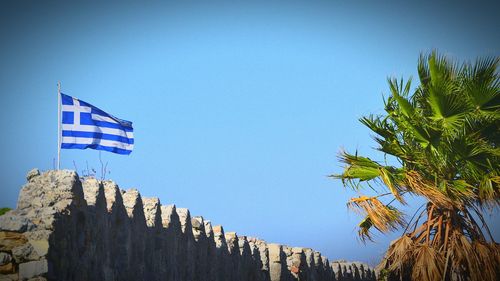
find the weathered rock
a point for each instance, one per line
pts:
(187, 255)
(261, 272)
(201, 248)
(172, 234)
(38, 234)
(152, 211)
(32, 174)
(10, 240)
(208, 228)
(211, 258)
(41, 247)
(277, 263)
(133, 203)
(264, 258)
(138, 228)
(232, 242)
(24, 253)
(169, 217)
(345, 270)
(185, 219)
(113, 196)
(5, 258)
(13, 221)
(9, 277)
(92, 189)
(299, 267)
(224, 267)
(32, 269)
(7, 268)
(154, 258)
(38, 279)
(55, 190)
(198, 224)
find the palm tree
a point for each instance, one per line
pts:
(445, 136)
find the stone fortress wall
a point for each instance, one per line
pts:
(67, 228)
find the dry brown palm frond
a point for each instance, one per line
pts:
(417, 184)
(457, 255)
(487, 259)
(465, 261)
(428, 264)
(472, 263)
(399, 255)
(495, 249)
(382, 217)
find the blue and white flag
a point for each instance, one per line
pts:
(86, 126)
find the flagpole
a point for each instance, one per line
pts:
(58, 125)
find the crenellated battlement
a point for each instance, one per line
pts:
(67, 228)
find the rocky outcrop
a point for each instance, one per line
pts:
(68, 228)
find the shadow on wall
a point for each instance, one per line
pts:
(67, 228)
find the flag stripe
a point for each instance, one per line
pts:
(76, 140)
(90, 121)
(97, 135)
(89, 128)
(98, 117)
(96, 146)
(125, 123)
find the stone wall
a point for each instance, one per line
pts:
(67, 228)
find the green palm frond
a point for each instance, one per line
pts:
(378, 125)
(445, 134)
(399, 94)
(446, 130)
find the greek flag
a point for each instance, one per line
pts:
(86, 126)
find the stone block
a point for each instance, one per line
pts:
(39, 278)
(113, 196)
(197, 222)
(24, 253)
(91, 189)
(41, 246)
(7, 268)
(9, 277)
(32, 174)
(275, 251)
(16, 223)
(169, 216)
(185, 219)
(133, 202)
(32, 269)
(10, 240)
(218, 229)
(208, 229)
(5, 258)
(152, 211)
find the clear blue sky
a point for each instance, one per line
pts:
(239, 108)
